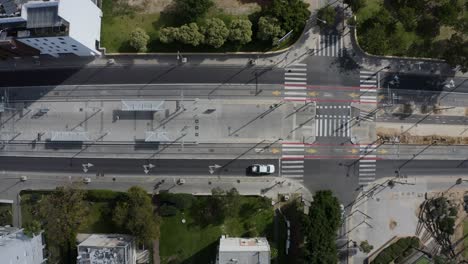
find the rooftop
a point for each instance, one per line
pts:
(243, 244)
(104, 240)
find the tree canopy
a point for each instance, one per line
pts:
(269, 29)
(139, 40)
(190, 34)
(168, 34)
(135, 215)
(240, 30)
(326, 17)
(215, 32)
(63, 211)
(321, 226)
(456, 53)
(291, 14)
(190, 10)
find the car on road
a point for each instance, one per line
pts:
(87, 180)
(23, 178)
(180, 181)
(263, 169)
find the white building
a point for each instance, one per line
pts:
(235, 250)
(17, 248)
(54, 26)
(106, 249)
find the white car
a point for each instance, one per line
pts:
(87, 180)
(263, 169)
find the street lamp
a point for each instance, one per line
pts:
(321, 20)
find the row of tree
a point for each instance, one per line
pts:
(64, 211)
(320, 229)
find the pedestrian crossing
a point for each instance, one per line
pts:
(330, 46)
(368, 87)
(333, 126)
(292, 160)
(367, 164)
(295, 82)
(333, 121)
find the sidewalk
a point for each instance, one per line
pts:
(380, 213)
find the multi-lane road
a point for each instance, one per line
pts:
(330, 163)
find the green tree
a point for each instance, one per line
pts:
(326, 17)
(448, 11)
(355, 4)
(428, 27)
(215, 32)
(168, 34)
(408, 17)
(240, 30)
(366, 247)
(190, 10)
(63, 211)
(32, 228)
(291, 14)
(190, 34)
(135, 215)
(456, 53)
(269, 29)
(321, 226)
(374, 40)
(139, 39)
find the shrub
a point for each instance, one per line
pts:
(240, 30)
(138, 40)
(102, 195)
(269, 29)
(215, 32)
(167, 210)
(181, 201)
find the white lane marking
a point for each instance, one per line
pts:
(325, 127)
(296, 69)
(294, 176)
(368, 160)
(295, 73)
(292, 166)
(366, 165)
(293, 156)
(292, 161)
(295, 98)
(367, 174)
(299, 145)
(299, 64)
(295, 79)
(292, 171)
(367, 72)
(296, 93)
(368, 90)
(295, 88)
(321, 127)
(368, 97)
(363, 170)
(295, 83)
(292, 149)
(369, 85)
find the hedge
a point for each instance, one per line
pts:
(180, 200)
(103, 195)
(397, 251)
(167, 210)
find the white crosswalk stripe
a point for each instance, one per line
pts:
(329, 45)
(292, 160)
(295, 82)
(333, 126)
(368, 83)
(367, 164)
(366, 116)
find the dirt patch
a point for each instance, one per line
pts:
(233, 7)
(392, 224)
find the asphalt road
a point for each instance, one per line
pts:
(430, 119)
(110, 167)
(435, 83)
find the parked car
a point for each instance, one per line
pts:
(87, 180)
(263, 168)
(23, 178)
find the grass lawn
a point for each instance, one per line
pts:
(119, 20)
(465, 242)
(192, 243)
(422, 260)
(6, 217)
